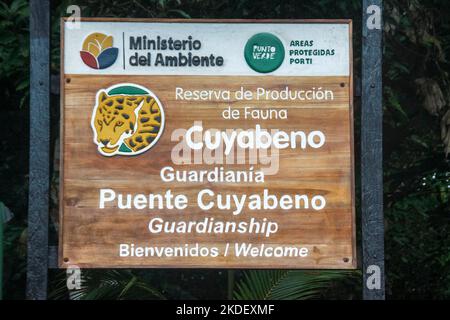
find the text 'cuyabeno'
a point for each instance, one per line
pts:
(197, 138)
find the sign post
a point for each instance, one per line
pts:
(37, 251)
(371, 153)
(102, 161)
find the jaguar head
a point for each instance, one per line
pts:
(114, 119)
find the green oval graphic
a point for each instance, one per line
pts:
(264, 52)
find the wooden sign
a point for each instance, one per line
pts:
(207, 144)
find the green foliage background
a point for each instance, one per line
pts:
(416, 141)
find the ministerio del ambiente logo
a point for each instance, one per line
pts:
(98, 52)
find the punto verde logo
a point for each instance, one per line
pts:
(264, 52)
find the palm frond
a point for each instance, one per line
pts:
(285, 284)
(107, 285)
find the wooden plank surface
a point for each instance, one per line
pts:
(90, 236)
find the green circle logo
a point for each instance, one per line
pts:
(264, 52)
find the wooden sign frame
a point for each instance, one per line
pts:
(39, 151)
(320, 260)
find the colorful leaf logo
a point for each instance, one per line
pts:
(98, 51)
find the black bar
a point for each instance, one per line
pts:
(371, 156)
(38, 198)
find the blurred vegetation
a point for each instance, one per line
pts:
(416, 145)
